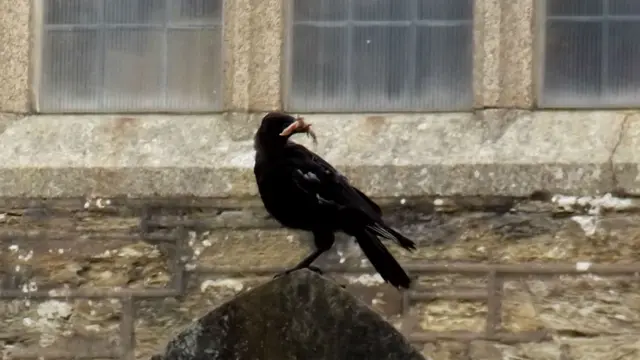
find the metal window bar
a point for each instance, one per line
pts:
(413, 55)
(356, 23)
(129, 26)
(102, 38)
(593, 18)
(165, 49)
(604, 71)
(350, 45)
(322, 50)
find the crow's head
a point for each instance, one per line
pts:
(278, 127)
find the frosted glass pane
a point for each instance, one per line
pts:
(193, 80)
(444, 72)
(70, 73)
(382, 9)
(573, 63)
(315, 10)
(198, 11)
(624, 7)
(445, 10)
(592, 60)
(387, 58)
(320, 75)
(574, 7)
(131, 55)
(623, 54)
(72, 11)
(380, 67)
(133, 66)
(134, 11)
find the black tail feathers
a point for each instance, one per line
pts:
(355, 219)
(367, 231)
(391, 234)
(382, 260)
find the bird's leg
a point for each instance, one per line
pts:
(305, 263)
(323, 242)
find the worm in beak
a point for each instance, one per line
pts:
(299, 126)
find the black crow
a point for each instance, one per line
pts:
(303, 191)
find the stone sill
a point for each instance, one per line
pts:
(491, 152)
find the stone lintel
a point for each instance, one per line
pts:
(492, 152)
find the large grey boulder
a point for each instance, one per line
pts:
(299, 316)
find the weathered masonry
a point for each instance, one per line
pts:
(503, 135)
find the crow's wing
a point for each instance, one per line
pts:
(322, 184)
(354, 191)
(315, 175)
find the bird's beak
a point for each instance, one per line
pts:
(299, 126)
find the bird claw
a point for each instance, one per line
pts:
(280, 274)
(287, 272)
(316, 270)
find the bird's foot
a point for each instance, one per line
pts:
(287, 272)
(316, 270)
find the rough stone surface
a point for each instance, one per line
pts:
(15, 37)
(237, 54)
(300, 316)
(267, 31)
(486, 56)
(96, 246)
(517, 43)
(626, 157)
(493, 152)
(7, 119)
(253, 37)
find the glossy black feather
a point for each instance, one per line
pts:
(303, 191)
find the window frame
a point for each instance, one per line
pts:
(286, 78)
(540, 40)
(39, 31)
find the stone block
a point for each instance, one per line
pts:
(584, 306)
(81, 327)
(15, 60)
(504, 54)
(40, 250)
(237, 54)
(266, 70)
(626, 157)
(445, 350)
(300, 316)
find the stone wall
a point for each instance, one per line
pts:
(103, 278)
(107, 278)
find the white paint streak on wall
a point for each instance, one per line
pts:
(588, 223)
(366, 279)
(233, 284)
(51, 314)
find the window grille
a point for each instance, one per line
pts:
(591, 52)
(379, 55)
(130, 56)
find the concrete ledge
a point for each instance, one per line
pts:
(494, 152)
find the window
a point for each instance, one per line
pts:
(379, 55)
(591, 53)
(130, 56)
